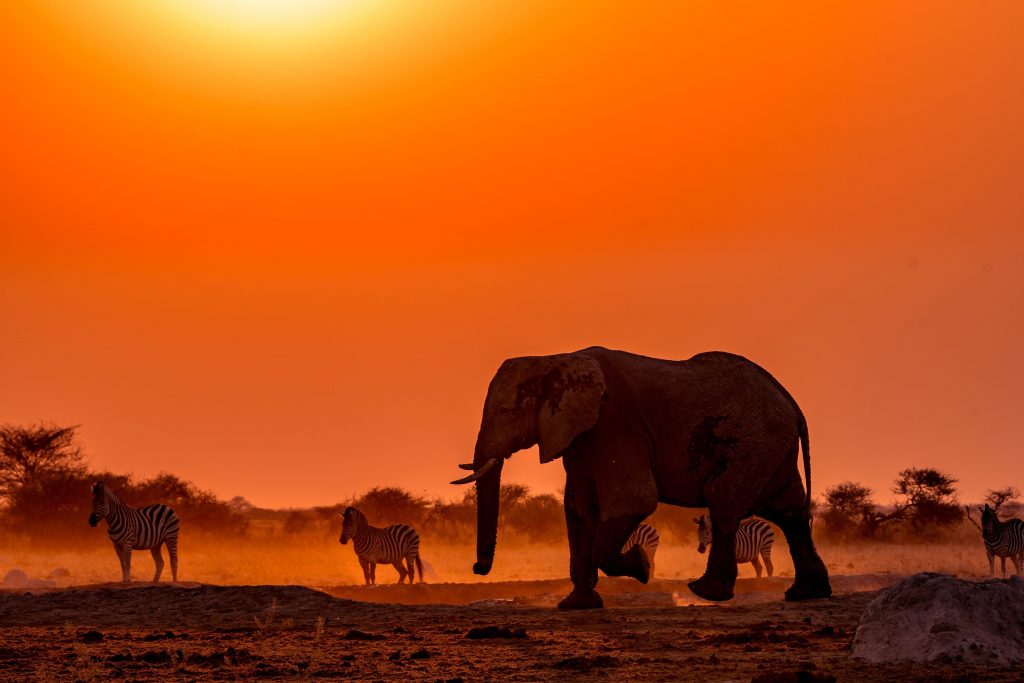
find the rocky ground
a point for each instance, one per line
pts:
(469, 632)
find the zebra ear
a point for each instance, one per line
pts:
(696, 520)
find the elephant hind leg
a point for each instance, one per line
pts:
(788, 511)
(719, 579)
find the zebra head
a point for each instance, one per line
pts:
(99, 503)
(703, 532)
(351, 521)
(988, 519)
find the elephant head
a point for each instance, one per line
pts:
(545, 400)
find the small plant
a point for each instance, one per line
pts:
(316, 655)
(86, 668)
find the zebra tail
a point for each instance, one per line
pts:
(419, 567)
(805, 443)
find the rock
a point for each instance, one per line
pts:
(90, 637)
(59, 573)
(361, 635)
(480, 632)
(587, 663)
(930, 616)
(793, 677)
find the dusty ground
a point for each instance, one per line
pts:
(658, 632)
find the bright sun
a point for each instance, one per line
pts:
(273, 14)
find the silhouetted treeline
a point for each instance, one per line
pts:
(45, 497)
(45, 490)
(926, 509)
(532, 517)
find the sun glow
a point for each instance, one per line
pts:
(274, 15)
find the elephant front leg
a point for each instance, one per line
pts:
(582, 570)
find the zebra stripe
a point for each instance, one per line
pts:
(136, 529)
(1002, 540)
(753, 538)
(647, 537)
(388, 545)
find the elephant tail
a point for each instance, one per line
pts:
(805, 446)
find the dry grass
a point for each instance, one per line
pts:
(318, 561)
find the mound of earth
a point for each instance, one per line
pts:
(929, 617)
(617, 592)
(17, 578)
(169, 606)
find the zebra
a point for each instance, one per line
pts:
(753, 538)
(1002, 539)
(375, 545)
(647, 537)
(136, 529)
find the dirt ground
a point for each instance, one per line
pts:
(661, 631)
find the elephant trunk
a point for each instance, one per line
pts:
(487, 490)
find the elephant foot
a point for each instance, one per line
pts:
(711, 589)
(581, 599)
(809, 589)
(633, 563)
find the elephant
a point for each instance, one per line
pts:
(715, 431)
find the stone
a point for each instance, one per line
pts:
(936, 617)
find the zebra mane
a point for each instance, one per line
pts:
(101, 489)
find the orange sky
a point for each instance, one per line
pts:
(282, 258)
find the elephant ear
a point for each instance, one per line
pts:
(570, 402)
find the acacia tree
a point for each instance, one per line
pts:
(384, 505)
(847, 505)
(1004, 498)
(29, 453)
(929, 497)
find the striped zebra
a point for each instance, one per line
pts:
(388, 545)
(136, 529)
(753, 538)
(647, 537)
(1002, 539)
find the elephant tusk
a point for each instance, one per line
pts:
(479, 473)
(467, 466)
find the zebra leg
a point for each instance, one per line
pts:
(366, 571)
(412, 571)
(373, 573)
(127, 564)
(582, 570)
(1002, 564)
(120, 560)
(401, 571)
(757, 566)
(767, 557)
(158, 560)
(172, 551)
(991, 561)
